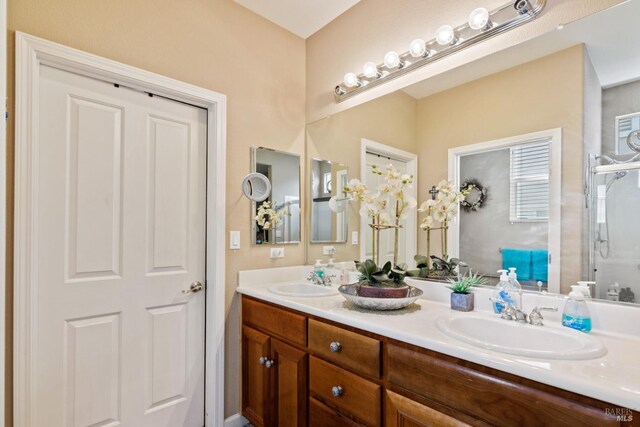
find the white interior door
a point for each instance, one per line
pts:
(386, 236)
(121, 225)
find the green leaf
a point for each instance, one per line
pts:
(421, 261)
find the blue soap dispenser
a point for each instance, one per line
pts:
(576, 313)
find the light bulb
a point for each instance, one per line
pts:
(392, 60)
(418, 48)
(479, 19)
(445, 35)
(370, 70)
(351, 80)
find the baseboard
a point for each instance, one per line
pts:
(236, 420)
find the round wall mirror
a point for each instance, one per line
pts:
(256, 187)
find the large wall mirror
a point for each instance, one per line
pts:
(276, 220)
(329, 203)
(547, 136)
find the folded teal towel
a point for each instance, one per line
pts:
(520, 259)
(540, 262)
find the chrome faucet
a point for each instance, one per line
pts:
(320, 280)
(509, 311)
(535, 318)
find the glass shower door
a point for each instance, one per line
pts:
(616, 235)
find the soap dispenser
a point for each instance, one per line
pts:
(502, 292)
(515, 285)
(576, 313)
(318, 268)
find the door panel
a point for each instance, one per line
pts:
(255, 379)
(404, 412)
(290, 386)
(120, 211)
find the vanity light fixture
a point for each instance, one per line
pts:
(446, 36)
(481, 25)
(392, 60)
(370, 70)
(418, 49)
(479, 19)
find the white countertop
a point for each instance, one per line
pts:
(613, 378)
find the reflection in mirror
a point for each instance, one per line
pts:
(505, 217)
(276, 220)
(574, 211)
(329, 203)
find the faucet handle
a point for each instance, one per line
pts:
(535, 318)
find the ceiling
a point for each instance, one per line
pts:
(612, 38)
(301, 17)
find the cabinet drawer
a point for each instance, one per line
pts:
(320, 415)
(359, 398)
(478, 393)
(356, 352)
(275, 321)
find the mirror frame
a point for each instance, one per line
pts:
(254, 228)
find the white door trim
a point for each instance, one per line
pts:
(555, 192)
(31, 53)
(368, 146)
(3, 191)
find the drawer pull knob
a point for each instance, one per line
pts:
(335, 346)
(269, 363)
(337, 391)
(262, 360)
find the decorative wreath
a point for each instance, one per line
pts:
(473, 187)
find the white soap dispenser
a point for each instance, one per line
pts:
(515, 285)
(576, 313)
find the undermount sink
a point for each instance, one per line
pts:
(521, 338)
(303, 290)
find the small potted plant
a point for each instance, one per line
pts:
(462, 297)
(385, 282)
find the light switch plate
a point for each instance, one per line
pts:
(234, 240)
(277, 252)
(354, 237)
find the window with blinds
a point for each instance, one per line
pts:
(529, 198)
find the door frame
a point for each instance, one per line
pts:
(33, 52)
(555, 192)
(411, 159)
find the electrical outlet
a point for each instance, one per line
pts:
(354, 237)
(234, 240)
(277, 252)
(328, 250)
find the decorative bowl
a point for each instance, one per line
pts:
(381, 292)
(350, 293)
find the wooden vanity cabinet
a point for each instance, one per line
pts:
(384, 382)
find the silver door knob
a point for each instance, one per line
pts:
(195, 287)
(269, 363)
(262, 360)
(337, 391)
(335, 347)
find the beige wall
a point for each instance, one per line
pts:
(543, 94)
(372, 27)
(215, 44)
(389, 120)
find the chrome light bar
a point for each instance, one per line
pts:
(482, 25)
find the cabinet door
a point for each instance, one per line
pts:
(290, 385)
(255, 377)
(402, 411)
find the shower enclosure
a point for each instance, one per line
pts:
(614, 228)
